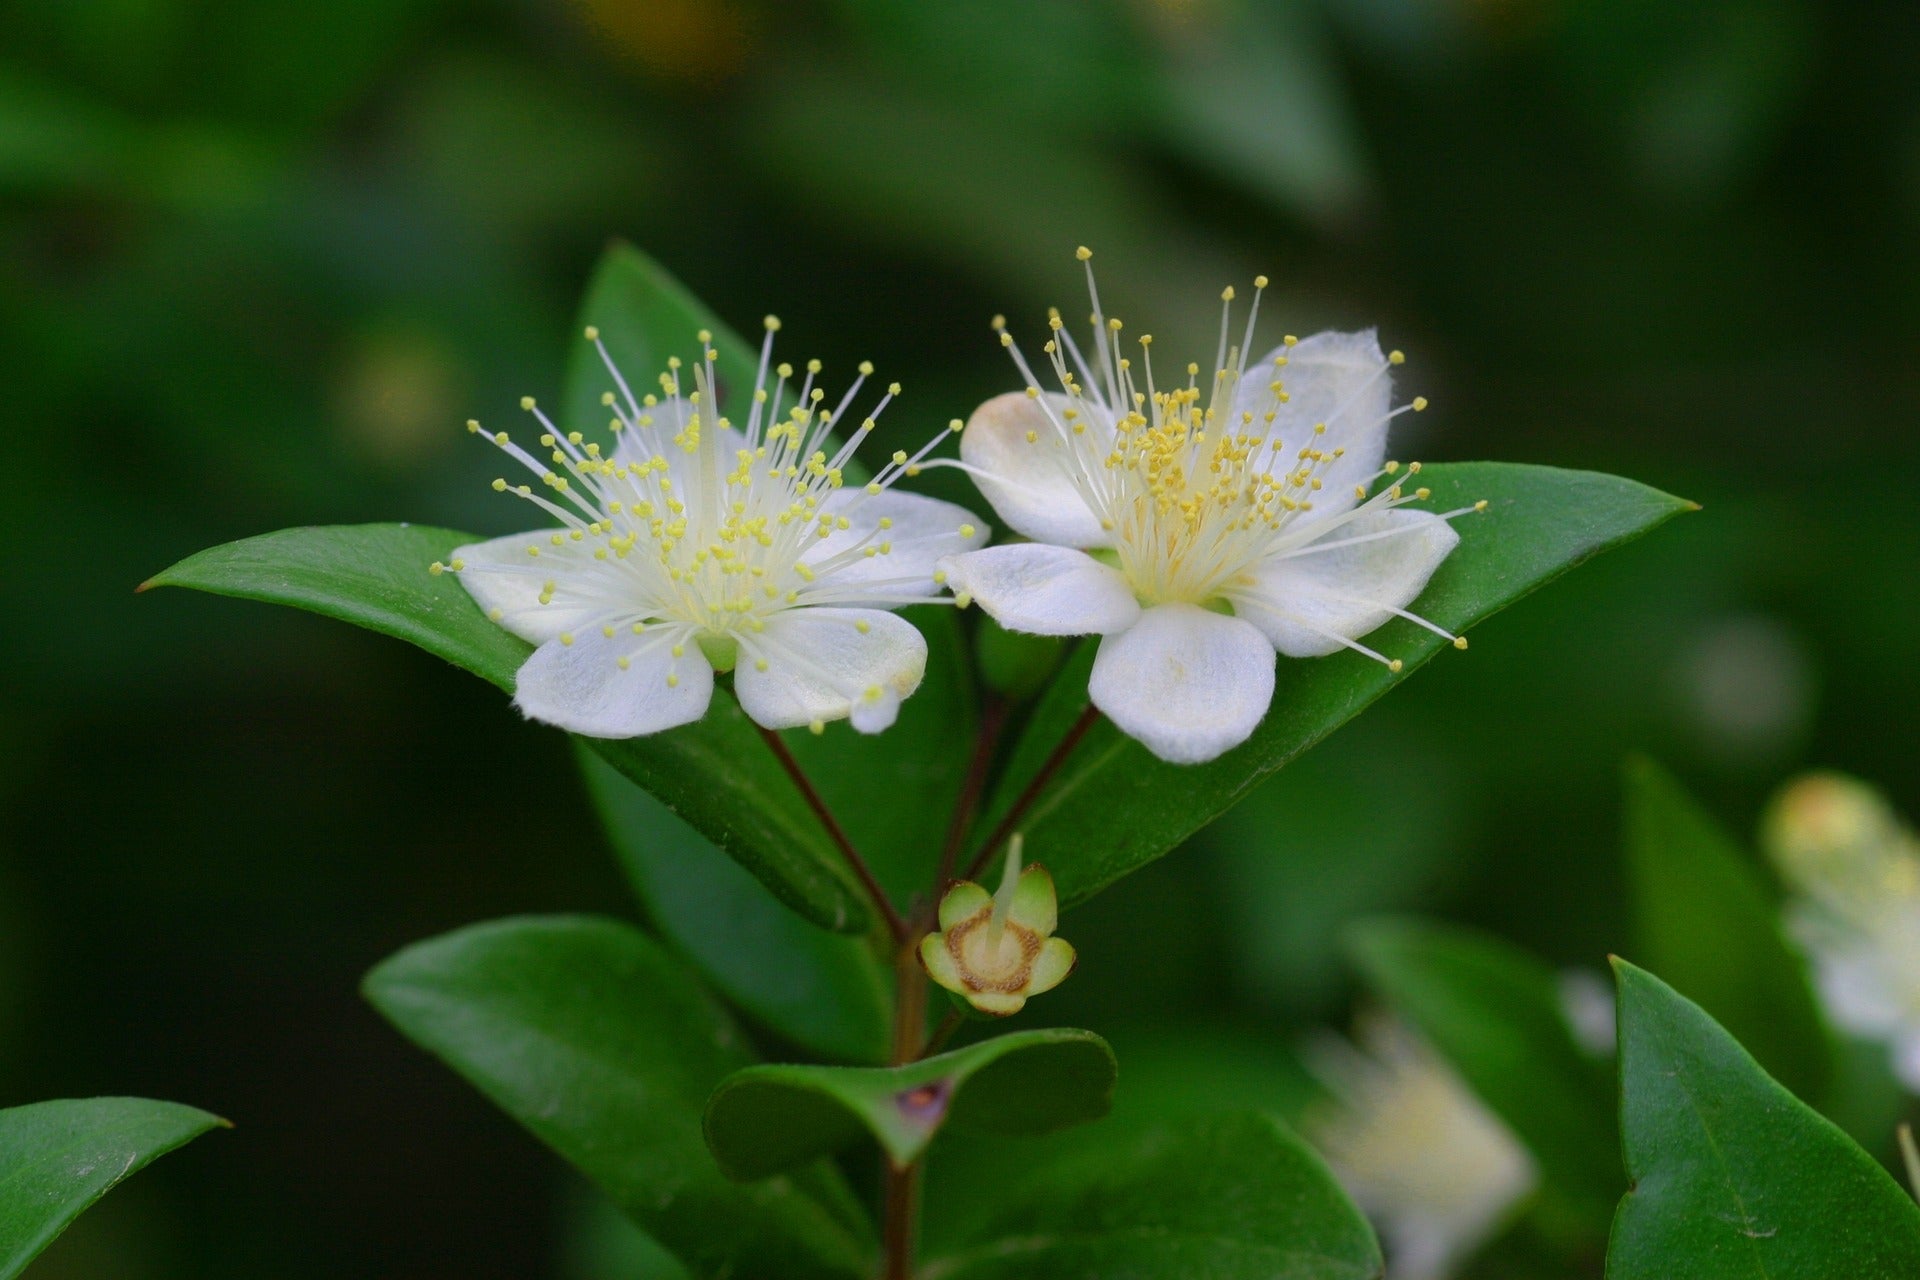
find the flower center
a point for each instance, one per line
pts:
(987, 963)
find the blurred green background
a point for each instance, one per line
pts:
(258, 262)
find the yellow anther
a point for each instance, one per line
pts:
(1290, 341)
(1396, 357)
(1033, 437)
(893, 388)
(566, 637)
(673, 680)
(772, 324)
(1395, 666)
(499, 437)
(593, 333)
(500, 485)
(899, 456)
(1083, 253)
(967, 531)
(862, 626)
(1480, 505)
(1459, 642)
(623, 662)
(1259, 282)
(473, 426)
(1226, 294)
(526, 402)
(866, 368)
(436, 568)
(1419, 404)
(816, 727)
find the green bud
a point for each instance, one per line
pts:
(995, 951)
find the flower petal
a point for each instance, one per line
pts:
(1044, 590)
(581, 687)
(1339, 379)
(1031, 483)
(500, 575)
(1186, 682)
(1346, 583)
(920, 531)
(940, 964)
(1051, 966)
(963, 902)
(829, 664)
(1035, 906)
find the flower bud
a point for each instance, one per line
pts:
(996, 950)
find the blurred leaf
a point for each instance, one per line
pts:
(1702, 919)
(1233, 1197)
(605, 1049)
(762, 1120)
(1112, 807)
(57, 1158)
(823, 991)
(1732, 1176)
(716, 773)
(1259, 97)
(1494, 1012)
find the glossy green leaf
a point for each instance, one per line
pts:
(1733, 1177)
(605, 1048)
(1704, 922)
(644, 316)
(825, 992)
(1494, 1012)
(716, 774)
(57, 1158)
(1229, 1197)
(764, 1119)
(1113, 807)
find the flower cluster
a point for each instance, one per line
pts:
(1435, 1170)
(1197, 528)
(1854, 873)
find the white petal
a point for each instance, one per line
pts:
(1339, 379)
(1186, 682)
(582, 688)
(1044, 590)
(922, 530)
(1346, 590)
(1906, 1060)
(1031, 483)
(820, 665)
(499, 574)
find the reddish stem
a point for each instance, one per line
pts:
(896, 923)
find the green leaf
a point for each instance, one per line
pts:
(1113, 807)
(823, 991)
(57, 1158)
(1494, 1012)
(605, 1049)
(1733, 1177)
(762, 1120)
(716, 774)
(1703, 920)
(1231, 1197)
(644, 316)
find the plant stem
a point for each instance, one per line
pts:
(896, 923)
(1044, 775)
(984, 741)
(900, 1208)
(943, 1033)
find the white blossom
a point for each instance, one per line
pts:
(692, 546)
(1199, 527)
(1423, 1157)
(1853, 871)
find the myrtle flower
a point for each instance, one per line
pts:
(1422, 1156)
(995, 951)
(1198, 527)
(1853, 872)
(693, 546)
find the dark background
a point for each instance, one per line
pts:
(259, 261)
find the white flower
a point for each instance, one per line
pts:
(1854, 872)
(694, 547)
(1419, 1153)
(1200, 527)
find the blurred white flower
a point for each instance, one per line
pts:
(696, 547)
(1199, 527)
(1853, 869)
(1436, 1171)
